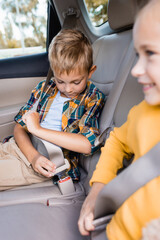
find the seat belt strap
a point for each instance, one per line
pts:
(50, 151)
(111, 103)
(48, 78)
(127, 182)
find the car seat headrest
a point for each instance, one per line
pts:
(121, 13)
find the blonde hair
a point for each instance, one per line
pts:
(70, 50)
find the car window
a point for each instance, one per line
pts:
(97, 11)
(22, 27)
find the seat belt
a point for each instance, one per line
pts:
(127, 182)
(111, 103)
(48, 149)
(48, 78)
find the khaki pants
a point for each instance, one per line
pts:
(15, 170)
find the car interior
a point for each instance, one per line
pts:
(40, 211)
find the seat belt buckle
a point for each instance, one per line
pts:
(66, 185)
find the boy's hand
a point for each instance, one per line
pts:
(31, 119)
(85, 222)
(43, 166)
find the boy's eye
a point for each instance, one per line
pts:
(59, 82)
(149, 52)
(77, 82)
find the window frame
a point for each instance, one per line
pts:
(95, 30)
(18, 67)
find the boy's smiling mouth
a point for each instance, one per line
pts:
(147, 87)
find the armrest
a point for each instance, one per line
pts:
(8, 113)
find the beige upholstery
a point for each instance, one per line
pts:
(121, 14)
(40, 222)
(11, 102)
(109, 52)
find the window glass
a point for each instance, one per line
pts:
(22, 27)
(97, 10)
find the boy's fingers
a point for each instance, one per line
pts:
(82, 227)
(49, 166)
(89, 222)
(44, 166)
(24, 119)
(85, 224)
(27, 114)
(44, 172)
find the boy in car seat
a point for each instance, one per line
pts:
(136, 136)
(67, 115)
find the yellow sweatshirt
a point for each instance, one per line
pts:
(137, 136)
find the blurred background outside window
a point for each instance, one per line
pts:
(97, 11)
(23, 25)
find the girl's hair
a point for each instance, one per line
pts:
(70, 50)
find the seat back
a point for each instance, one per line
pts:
(109, 52)
(109, 55)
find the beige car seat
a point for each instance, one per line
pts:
(25, 209)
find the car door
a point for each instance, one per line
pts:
(24, 62)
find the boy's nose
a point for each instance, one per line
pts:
(138, 70)
(68, 88)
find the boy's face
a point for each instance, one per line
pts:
(72, 84)
(146, 35)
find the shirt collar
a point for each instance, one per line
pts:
(52, 90)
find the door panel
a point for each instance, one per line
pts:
(19, 75)
(14, 92)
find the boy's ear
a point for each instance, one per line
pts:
(92, 70)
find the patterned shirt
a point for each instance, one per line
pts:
(80, 115)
